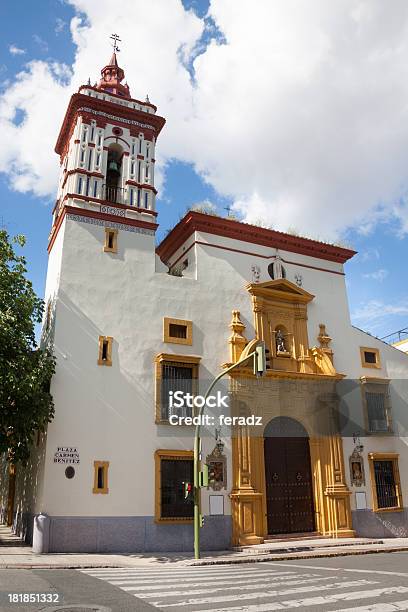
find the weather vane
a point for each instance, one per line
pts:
(115, 39)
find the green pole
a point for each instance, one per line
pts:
(197, 456)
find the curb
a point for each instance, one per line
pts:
(289, 557)
(232, 561)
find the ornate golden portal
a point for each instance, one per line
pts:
(301, 384)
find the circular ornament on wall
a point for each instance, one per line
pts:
(117, 131)
(70, 472)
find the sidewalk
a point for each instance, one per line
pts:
(14, 554)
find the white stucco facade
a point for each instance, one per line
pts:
(108, 414)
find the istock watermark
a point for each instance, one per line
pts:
(179, 399)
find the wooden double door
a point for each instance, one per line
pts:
(289, 490)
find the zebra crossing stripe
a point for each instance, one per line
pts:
(337, 569)
(381, 607)
(316, 601)
(201, 591)
(188, 575)
(261, 595)
(248, 581)
(141, 581)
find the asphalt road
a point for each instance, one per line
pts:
(364, 583)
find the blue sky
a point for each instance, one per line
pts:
(376, 277)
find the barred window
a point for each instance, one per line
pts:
(385, 481)
(173, 470)
(174, 373)
(385, 484)
(175, 377)
(377, 405)
(376, 412)
(174, 473)
(177, 331)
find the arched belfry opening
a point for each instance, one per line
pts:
(288, 477)
(113, 173)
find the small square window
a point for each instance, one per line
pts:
(370, 357)
(101, 477)
(105, 350)
(177, 331)
(111, 240)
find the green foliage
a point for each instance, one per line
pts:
(26, 404)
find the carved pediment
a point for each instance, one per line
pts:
(281, 288)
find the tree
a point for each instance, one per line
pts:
(26, 405)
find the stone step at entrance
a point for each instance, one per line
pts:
(303, 543)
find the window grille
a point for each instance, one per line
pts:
(175, 377)
(174, 472)
(177, 331)
(370, 357)
(385, 484)
(376, 411)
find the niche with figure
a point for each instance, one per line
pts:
(283, 341)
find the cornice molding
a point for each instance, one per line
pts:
(151, 122)
(198, 222)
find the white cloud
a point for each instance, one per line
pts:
(41, 43)
(301, 117)
(26, 153)
(378, 275)
(375, 313)
(369, 254)
(60, 25)
(14, 50)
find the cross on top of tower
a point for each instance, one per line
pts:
(113, 75)
(115, 39)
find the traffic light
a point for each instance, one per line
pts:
(267, 359)
(203, 476)
(262, 359)
(188, 489)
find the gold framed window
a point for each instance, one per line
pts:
(111, 240)
(101, 477)
(177, 331)
(385, 482)
(370, 357)
(105, 350)
(172, 469)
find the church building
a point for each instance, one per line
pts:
(131, 321)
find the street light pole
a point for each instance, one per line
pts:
(258, 354)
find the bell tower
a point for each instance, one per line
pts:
(107, 152)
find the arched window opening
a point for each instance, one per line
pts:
(113, 172)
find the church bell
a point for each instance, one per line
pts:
(113, 166)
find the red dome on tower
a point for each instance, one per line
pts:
(112, 77)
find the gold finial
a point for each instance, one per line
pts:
(237, 339)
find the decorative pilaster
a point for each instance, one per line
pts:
(246, 502)
(301, 339)
(337, 494)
